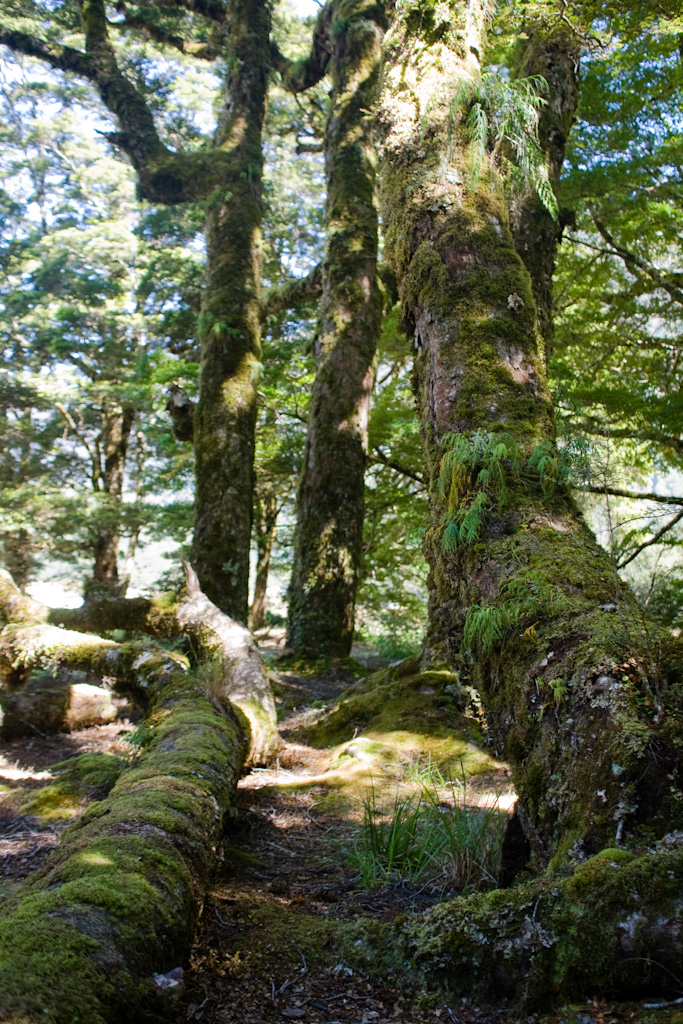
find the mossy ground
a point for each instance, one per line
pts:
(284, 928)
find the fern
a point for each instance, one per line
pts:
(484, 628)
(503, 120)
(473, 474)
(525, 599)
(555, 467)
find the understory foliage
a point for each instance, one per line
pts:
(433, 836)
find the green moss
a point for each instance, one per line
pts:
(116, 901)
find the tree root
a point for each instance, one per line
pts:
(614, 927)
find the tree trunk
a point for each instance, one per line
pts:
(229, 328)
(328, 535)
(117, 422)
(554, 54)
(266, 521)
(580, 692)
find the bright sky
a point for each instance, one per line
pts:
(305, 7)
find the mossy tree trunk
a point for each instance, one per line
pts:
(552, 51)
(108, 479)
(614, 927)
(229, 326)
(328, 536)
(581, 693)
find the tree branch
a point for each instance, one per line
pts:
(635, 263)
(214, 10)
(381, 458)
(618, 492)
(138, 23)
(298, 75)
(294, 292)
(599, 429)
(653, 540)
(163, 176)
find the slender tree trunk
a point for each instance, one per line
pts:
(117, 422)
(552, 52)
(266, 521)
(328, 536)
(225, 418)
(580, 692)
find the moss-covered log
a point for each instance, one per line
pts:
(614, 928)
(330, 506)
(117, 903)
(581, 693)
(232, 669)
(240, 674)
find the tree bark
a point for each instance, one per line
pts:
(266, 521)
(552, 52)
(329, 526)
(614, 927)
(580, 692)
(229, 325)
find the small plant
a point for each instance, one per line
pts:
(526, 599)
(211, 679)
(503, 120)
(397, 847)
(474, 475)
(434, 835)
(138, 739)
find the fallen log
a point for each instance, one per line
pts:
(118, 901)
(35, 637)
(116, 905)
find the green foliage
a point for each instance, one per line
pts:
(525, 599)
(474, 474)
(502, 122)
(433, 835)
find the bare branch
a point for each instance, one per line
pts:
(655, 539)
(618, 492)
(380, 457)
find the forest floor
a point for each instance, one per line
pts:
(281, 915)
